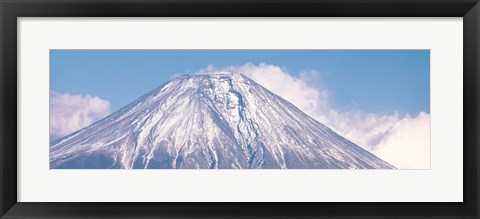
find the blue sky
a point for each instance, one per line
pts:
(376, 81)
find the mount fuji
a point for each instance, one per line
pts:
(211, 121)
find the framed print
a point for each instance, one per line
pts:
(319, 109)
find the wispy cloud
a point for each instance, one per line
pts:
(69, 113)
(402, 140)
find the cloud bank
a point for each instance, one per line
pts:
(407, 143)
(401, 140)
(69, 113)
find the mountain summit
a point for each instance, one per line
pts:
(222, 120)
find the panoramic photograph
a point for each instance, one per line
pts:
(239, 109)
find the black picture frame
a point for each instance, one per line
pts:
(10, 10)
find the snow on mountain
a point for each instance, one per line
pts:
(223, 120)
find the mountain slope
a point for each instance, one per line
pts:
(209, 121)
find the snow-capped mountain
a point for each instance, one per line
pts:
(222, 120)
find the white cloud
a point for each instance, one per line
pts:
(365, 129)
(403, 141)
(69, 113)
(407, 143)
